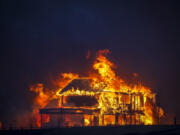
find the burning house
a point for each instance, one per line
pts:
(100, 99)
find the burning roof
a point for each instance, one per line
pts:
(79, 83)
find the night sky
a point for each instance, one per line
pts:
(40, 39)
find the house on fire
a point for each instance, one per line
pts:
(83, 105)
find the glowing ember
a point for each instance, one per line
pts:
(0, 125)
(119, 103)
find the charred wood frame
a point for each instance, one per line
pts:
(127, 112)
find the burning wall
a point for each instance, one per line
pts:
(118, 102)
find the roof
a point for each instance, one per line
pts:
(84, 84)
(80, 84)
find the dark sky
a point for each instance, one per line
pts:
(41, 39)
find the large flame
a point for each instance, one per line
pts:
(107, 84)
(45, 96)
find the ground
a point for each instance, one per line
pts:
(123, 130)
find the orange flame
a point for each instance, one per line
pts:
(104, 79)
